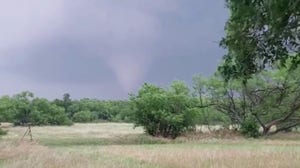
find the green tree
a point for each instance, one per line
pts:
(208, 115)
(45, 113)
(66, 102)
(6, 109)
(227, 98)
(164, 112)
(271, 98)
(23, 107)
(276, 97)
(260, 33)
(121, 111)
(83, 117)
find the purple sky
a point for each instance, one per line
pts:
(106, 48)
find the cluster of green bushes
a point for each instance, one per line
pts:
(92, 110)
(24, 108)
(169, 112)
(164, 112)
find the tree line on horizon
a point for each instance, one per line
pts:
(24, 108)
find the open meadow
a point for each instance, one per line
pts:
(118, 145)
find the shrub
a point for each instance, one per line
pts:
(250, 128)
(165, 113)
(45, 113)
(83, 116)
(2, 132)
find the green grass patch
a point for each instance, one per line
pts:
(121, 140)
(2, 162)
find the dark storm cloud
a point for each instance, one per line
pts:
(104, 48)
(189, 42)
(66, 62)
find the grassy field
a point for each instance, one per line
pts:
(117, 145)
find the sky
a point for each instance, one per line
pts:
(106, 49)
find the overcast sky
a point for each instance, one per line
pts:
(106, 48)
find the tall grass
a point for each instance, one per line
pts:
(119, 146)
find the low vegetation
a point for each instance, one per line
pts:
(2, 132)
(24, 108)
(166, 113)
(119, 145)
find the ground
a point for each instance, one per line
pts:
(118, 145)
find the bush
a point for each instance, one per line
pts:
(45, 113)
(2, 132)
(165, 113)
(250, 128)
(83, 116)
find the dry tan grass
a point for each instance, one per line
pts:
(6, 125)
(32, 155)
(9, 150)
(25, 154)
(92, 130)
(211, 158)
(199, 150)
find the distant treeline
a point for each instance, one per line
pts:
(24, 108)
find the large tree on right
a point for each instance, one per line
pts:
(258, 34)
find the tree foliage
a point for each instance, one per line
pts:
(250, 128)
(164, 112)
(45, 113)
(260, 33)
(24, 108)
(83, 117)
(207, 114)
